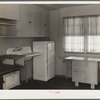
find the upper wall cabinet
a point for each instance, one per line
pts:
(34, 22)
(24, 25)
(10, 11)
(40, 22)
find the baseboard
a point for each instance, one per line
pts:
(24, 81)
(61, 76)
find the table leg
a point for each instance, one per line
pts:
(92, 86)
(66, 69)
(26, 74)
(76, 83)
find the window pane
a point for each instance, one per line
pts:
(80, 47)
(90, 47)
(98, 39)
(93, 43)
(68, 47)
(68, 39)
(90, 39)
(97, 47)
(74, 43)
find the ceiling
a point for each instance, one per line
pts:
(57, 6)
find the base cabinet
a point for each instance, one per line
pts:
(11, 80)
(85, 72)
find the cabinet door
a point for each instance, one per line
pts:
(40, 22)
(92, 72)
(25, 22)
(10, 11)
(44, 23)
(36, 22)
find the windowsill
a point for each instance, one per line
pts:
(74, 52)
(82, 52)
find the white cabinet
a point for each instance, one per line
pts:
(85, 72)
(10, 11)
(44, 23)
(34, 22)
(25, 22)
(40, 23)
(11, 80)
(92, 73)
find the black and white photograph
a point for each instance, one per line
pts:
(50, 46)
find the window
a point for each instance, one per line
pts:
(93, 34)
(74, 39)
(82, 34)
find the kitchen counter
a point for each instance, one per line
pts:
(14, 56)
(11, 56)
(82, 58)
(4, 69)
(84, 70)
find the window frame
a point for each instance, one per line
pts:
(85, 38)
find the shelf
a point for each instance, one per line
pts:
(7, 36)
(8, 24)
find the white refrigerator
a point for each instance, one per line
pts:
(44, 65)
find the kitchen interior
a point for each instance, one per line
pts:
(49, 46)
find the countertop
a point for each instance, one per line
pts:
(83, 58)
(14, 56)
(4, 69)
(11, 56)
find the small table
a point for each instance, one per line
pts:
(85, 70)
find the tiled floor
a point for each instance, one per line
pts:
(55, 83)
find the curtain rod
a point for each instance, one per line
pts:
(81, 16)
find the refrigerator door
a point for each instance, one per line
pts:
(51, 60)
(40, 62)
(51, 46)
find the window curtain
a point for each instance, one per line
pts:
(93, 33)
(73, 31)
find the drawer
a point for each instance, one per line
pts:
(78, 68)
(79, 77)
(11, 80)
(78, 63)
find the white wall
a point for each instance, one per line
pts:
(56, 31)
(80, 10)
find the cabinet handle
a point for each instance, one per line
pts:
(45, 25)
(29, 22)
